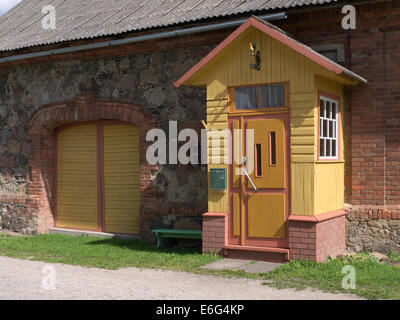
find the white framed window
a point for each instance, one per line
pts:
(328, 128)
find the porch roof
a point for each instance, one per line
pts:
(281, 36)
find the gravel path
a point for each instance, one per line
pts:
(22, 279)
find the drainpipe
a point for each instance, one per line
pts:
(155, 36)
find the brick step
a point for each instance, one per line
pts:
(269, 254)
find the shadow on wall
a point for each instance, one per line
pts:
(175, 199)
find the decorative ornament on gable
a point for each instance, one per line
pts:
(256, 55)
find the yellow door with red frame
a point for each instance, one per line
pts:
(259, 184)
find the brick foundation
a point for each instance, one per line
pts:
(316, 240)
(213, 233)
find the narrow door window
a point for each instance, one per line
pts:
(272, 148)
(258, 160)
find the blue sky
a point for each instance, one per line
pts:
(6, 5)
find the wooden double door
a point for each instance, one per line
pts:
(97, 179)
(259, 181)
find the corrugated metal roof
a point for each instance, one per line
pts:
(21, 27)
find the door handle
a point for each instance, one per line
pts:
(247, 174)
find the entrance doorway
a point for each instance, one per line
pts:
(259, 201)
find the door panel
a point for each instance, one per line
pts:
(236, 214)
(266, 215)
(269, 140)
(121, 179)
(77, 199)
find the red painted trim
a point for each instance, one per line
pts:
(229, 237)
(339, 140)
(305, 51)
(319, 217)
(100, 177)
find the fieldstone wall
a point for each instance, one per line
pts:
(179, 193)
(364, 232)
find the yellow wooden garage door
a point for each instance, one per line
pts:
(121, 179)
(83, 185)
(77, 185)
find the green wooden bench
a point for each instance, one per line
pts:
(176, 233)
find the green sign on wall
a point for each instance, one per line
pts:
(218, 179)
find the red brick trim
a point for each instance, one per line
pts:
(373, 213)
(41, 131)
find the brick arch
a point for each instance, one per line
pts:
(41, 131)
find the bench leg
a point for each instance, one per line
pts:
(159, 242)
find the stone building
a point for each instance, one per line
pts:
(73, 98)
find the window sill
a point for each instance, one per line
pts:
(330, 161)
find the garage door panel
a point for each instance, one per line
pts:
(77, 199)
(121, 179)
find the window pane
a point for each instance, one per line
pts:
(328, 148)
(246, 98)
(325, 128)
(334, 128)
(333, 148)
(321, 127)
(331, 129)
(322, 108)
(328, 109)
(272, 95)
(322, 147)
(334, 111)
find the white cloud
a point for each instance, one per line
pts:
(6, 5)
